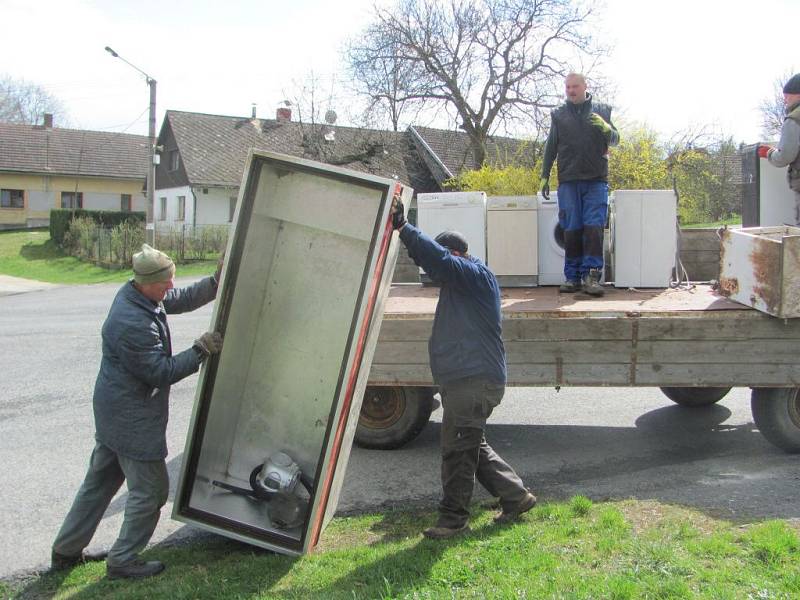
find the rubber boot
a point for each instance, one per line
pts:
(591, 284)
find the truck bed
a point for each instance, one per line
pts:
(661, 337)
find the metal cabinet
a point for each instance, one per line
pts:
(309, 264)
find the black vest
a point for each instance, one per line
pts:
(582, 151)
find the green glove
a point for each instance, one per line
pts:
(599, 122)
(546, 188)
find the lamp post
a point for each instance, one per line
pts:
(151, 169)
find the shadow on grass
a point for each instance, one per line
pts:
(397, 574)
(41, 251)
(215, 567)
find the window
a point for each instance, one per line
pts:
(232, 209)
(12, 199)
(174, 160)
(71, 199)
(125, 203)
(162, 215)
(181, 208)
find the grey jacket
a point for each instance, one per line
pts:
(131, 394)
(788, 151)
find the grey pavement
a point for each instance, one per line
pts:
(601, 442)
(18, 285)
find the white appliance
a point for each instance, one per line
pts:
(512, 248)
(776, 201)
(464, 212)
(550, 242)
(768, 201)
(645, 238)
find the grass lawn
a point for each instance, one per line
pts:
(31, 254)
(735, 220)
(575, 549)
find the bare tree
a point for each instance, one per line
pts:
(393, 86)
(25, 102)
(772, 109)
(487, 61)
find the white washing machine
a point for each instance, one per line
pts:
(464, 212)
(645, 237)
(512, 230)
(551, 242)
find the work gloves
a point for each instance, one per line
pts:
(546, 188)
(600, 123)
(763, 151)
(207, 344)
(398, 212)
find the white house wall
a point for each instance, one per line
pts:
(213, 205)
(172, 194)
(103, 201)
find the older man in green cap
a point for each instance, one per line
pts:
(131, 408)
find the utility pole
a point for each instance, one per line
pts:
(151, 167)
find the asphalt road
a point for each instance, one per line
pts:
(601, 442)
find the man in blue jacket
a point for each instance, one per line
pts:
(468, 364)
(131, 408)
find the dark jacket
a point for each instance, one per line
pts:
(580, 148)
(788, 151)
(466, 340)
(131, 394)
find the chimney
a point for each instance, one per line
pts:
(254, 111)
(48, 120)
(283, 114)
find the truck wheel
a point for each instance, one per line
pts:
(692, 397)
(392, 416)
(776, 412)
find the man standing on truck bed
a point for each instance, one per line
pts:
(580, 135)
(788, 150)
(468, 363)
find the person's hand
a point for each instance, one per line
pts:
(220, 263)
(209, 343)
(763, 151)
(546, 188)
(398, 212)
(600, 123)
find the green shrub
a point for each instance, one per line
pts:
(60, 219)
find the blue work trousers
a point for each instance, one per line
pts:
(582, 213)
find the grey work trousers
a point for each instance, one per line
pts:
(148, 488)
(467, 404)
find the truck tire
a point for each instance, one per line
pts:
(392, 416)
(692, 397)
(776, 412)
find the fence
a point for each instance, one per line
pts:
(191, 242)
(115, 247)
(108, 247)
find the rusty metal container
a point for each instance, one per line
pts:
(760, 267)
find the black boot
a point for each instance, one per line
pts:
(135, 570)
(591, 284)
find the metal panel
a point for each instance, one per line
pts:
(309, 264)
(760, 267)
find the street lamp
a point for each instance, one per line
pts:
(151, 170)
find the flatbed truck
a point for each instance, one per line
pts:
(692, 342)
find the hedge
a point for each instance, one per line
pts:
(60, 219)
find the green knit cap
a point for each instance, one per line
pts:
(152, 266)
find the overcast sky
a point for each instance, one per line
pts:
(676, 64)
